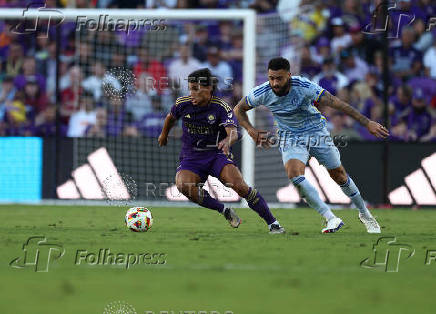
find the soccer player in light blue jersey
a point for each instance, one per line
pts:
(302, 133)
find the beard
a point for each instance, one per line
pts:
(283, 90)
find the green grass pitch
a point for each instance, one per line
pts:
(211, 267)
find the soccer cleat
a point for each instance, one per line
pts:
(333, 225)
(231, 217)
(276, 228)
(370, 223)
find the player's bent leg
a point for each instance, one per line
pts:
(232, 177)
(295, 171)
(340, 176)
(187, 183)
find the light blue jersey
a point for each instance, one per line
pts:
(294, 113)
(303, 126)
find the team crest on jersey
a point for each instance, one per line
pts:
(188, 116)
(211, 119)
(230, 115)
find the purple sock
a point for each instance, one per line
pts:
(258, 204)
(209, 202)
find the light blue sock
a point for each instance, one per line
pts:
(312, 197)
(350, 189)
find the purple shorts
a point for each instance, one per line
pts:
(205, 164)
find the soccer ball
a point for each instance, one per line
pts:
(138, 219)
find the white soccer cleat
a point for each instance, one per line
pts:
(276, 229)
(370, 223)
(333, 225)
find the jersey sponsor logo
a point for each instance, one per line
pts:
(230, 115)
(211, 119)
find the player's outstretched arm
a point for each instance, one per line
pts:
(373, 127)
(169, 122)
(260, 137)
(231, 138)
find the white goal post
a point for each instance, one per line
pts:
(249, 44)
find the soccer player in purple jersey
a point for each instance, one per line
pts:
(209, 130)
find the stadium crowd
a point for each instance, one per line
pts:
(113, 83)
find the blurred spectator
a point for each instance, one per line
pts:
(407, 61)
(7, 94)
(14, 61)
(331, 79)
(70, 92)
(46, 65)
(99, 129)
(363, 46)
(46, 123)
(201, 43)
(94, 83)
(340, 39)
(150, 66)
(235, 54)
(311, 21)
(6, 37)
(140, 103)
(82, 118)
(85, 58)
(28, 72)
(219, 68)
(322, 50)
(354, 68)
(34, 97)
(402, 101)
(262, 6)
(223, 39)
(151, 123)
(40, 51)
(431, 136)
(16, 118)
(117, 118)
(352, 12)
(181, 66)
(308, 67)
(416, 120)
(424, 38)
(430, 60)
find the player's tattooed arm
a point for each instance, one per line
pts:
(329, 100)
(373, 127)
(169, 122)
(260, 137)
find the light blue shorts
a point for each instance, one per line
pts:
(318, 144)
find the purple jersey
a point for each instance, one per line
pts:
(203, 126)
